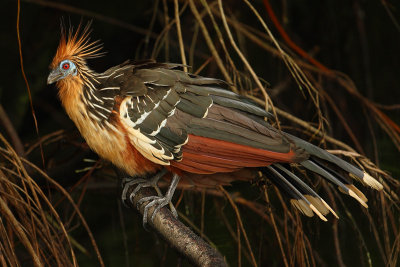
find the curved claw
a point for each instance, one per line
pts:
(129, 182)
(145, 199)
(159, 202)
(162, 204)
(126, 183)
(142, 183)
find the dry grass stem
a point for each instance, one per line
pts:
(239, 220)
(180, 39)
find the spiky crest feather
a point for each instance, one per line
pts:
(76, 46)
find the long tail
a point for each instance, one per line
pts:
(323, 163)
(301, 195)
(320, 153)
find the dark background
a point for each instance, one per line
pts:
(357, 38)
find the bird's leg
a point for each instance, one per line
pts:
(158, 201)
(152, 182)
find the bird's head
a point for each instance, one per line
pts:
(64, 69)
(73, 51)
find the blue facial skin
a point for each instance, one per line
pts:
(66, 67)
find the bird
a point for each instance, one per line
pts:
(153, 119)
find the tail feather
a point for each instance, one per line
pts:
(308, 192)
(342, 178)
(300, 200)
(370, 181)
(358, 192)
(347, 189)
(336, 174)
(324, 155)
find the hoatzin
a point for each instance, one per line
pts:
(151, 118)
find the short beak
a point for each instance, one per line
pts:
(54, 76)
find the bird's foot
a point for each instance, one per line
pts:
(128, 182)
(159, 202)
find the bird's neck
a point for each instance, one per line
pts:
(70, 91)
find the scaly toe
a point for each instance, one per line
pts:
(162, 202)
(127, 183)
(145, 199)
(173, 210)
(155, 201)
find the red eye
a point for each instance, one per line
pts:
(65, 66)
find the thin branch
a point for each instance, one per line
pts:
(239, 220)
(391, 16)
(342, 119)
(305, 125)
(28, 88)
(289, 41)
(179, 31)
(243, 58)
(98, 16)
(12, 133)
(75, 207)
(210, 44)
(19, 230)
(278, 237)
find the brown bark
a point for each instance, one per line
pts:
(179, 236)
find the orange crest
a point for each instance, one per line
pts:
(76, 46)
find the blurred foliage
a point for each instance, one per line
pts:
(358, 38)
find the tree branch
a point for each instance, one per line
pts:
(179, 236)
